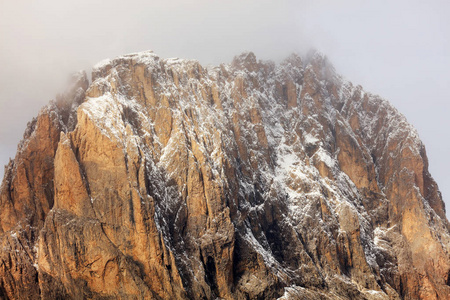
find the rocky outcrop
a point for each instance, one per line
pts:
(165, 180)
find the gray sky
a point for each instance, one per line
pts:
(397, 49)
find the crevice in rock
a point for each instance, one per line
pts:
(3, 294)
(210, 274)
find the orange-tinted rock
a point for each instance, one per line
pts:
(166, 180)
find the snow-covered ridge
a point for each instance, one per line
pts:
(291, 173)
(395, 124)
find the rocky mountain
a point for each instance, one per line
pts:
(163, 179)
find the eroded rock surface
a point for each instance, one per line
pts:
(162, 179)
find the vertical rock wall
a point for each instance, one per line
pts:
(165, 180)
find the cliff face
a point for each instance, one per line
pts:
(165, 180)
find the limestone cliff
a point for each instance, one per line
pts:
(163, 179)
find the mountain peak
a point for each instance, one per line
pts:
(162, 179)
(245, 61)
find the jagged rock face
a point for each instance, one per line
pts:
(165, 180)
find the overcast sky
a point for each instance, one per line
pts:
(397, 49)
